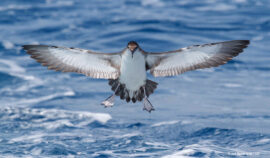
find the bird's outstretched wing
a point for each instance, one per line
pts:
(96, 65)
(194, 57)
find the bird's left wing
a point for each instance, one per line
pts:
(194, 57)
(95, 65)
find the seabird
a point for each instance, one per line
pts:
(126, 70)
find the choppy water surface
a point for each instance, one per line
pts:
(219, 112)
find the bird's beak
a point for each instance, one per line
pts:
(133, 52)
(132, 49)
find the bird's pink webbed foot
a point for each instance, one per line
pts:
(146, 103)
(109, 102)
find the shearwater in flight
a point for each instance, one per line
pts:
(126, 70)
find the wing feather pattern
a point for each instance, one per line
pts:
(194, 57)
(95, 65)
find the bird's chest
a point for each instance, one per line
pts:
(133, 72)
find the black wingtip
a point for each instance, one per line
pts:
(31, 46)
(245, 42)
(28, 47)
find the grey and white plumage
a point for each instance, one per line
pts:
(126, 70)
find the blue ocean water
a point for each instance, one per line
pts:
(216, 112)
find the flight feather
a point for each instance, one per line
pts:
(89, 63)
(194, 57)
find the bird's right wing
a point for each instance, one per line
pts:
(95, 65)
(194, 57)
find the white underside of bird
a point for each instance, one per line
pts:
(133, 71)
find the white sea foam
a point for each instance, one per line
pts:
(72, 156)
(106, 152)
(43, 98)
(13, 69)
(257, 38)
(207, 70)
(11, 66)
(131, 134)
(165, 123)
(240, 1)
(14, 7)
(36, 151)
(186, 78)
(209, 149)
(181, 154)
(59, 3)
(101, 117)
(49, 4)
(33, 137)
(156, 3)
(7, 44)
(60, 117)
(158, 144)
(232, 85)
(38, 137)
(263, 141)
(188, 151)
(58, 123)
(216, 7)
(127, 135)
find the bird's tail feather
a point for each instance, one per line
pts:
(121, 90)
(150, 86)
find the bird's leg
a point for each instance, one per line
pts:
(109, 102)
(146, 103)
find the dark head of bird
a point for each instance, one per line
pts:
(132, 46)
